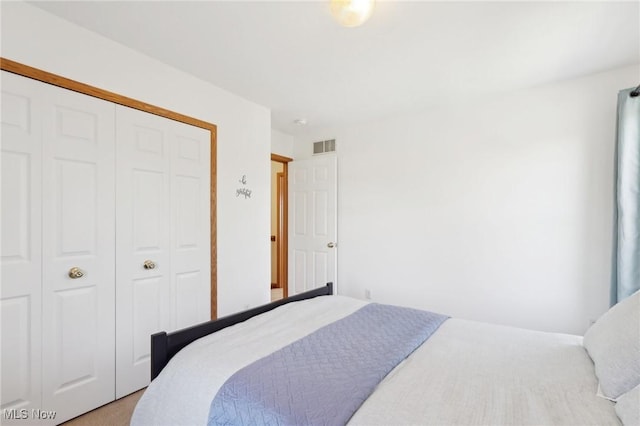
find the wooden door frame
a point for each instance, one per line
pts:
(56, 80)
(280, 186)
(282, 234)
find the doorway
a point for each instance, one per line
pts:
(314, 223)
(279, 231)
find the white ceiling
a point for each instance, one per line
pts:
(294, 59)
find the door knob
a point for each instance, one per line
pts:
(331, 245)
(75, 273)
(149, 264)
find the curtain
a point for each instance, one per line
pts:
(626, 256)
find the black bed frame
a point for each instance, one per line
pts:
(165, 345)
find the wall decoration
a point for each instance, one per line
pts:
(244, 190)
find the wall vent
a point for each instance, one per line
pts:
(324, 146)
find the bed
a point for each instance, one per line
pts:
(465, 373)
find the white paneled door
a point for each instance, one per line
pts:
(21, 259)
(190, 224)
(163, 228)
(312, 223)
(143, 215)
(78, 241)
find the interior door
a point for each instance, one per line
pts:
(143, 258)
(163, 228)
(78, 242)
(190, 223)
(312, 223)
(21, 257)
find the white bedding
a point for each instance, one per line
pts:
(466, 373)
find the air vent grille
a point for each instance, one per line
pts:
(324, 146)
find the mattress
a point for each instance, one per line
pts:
(467, 373)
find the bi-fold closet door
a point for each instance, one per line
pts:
(90, 191)
(163, 229)
(57, 214)
(21, 249)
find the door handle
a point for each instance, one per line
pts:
(331, 245)
(149, 264)
(75, 273)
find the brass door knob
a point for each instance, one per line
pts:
(331, 245)
(75, 273)
(149, 264)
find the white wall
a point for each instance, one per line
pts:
(281, 143)
(36, 38)
(497, 210)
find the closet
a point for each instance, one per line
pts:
(105, 240)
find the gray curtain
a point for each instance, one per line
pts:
(626, 256)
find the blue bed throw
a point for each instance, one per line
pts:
(323, 378)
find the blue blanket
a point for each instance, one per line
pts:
(323, 378)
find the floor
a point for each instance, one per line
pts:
(117, 413)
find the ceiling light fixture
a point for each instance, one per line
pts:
(351, 13)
